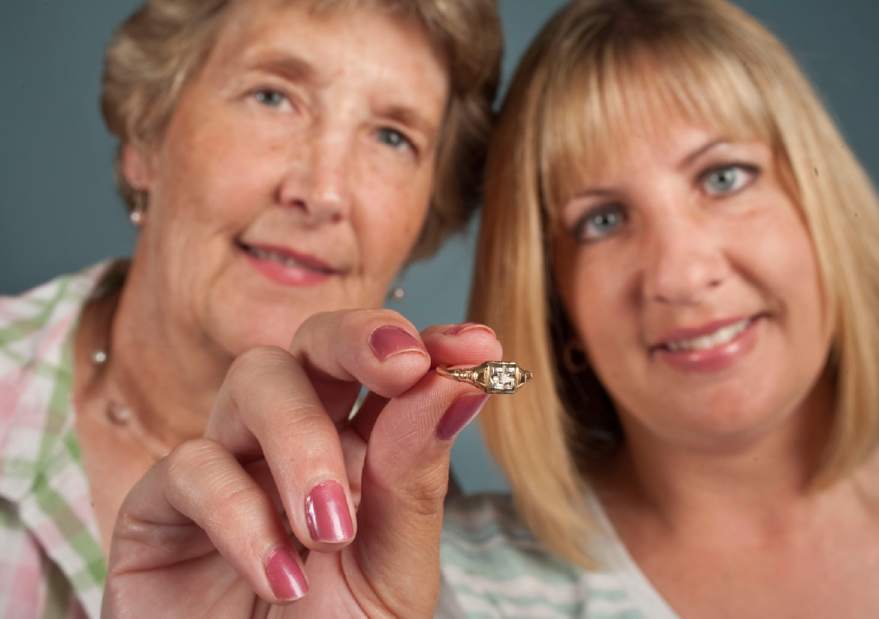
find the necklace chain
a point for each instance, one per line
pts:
(124, 418)
(117, 414)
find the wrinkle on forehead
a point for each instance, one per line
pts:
(244, 15)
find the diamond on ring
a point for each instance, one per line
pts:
(496, 377)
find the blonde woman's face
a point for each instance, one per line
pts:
(295, 174)
(692, 280)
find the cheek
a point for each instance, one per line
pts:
(594, 296)
(806, 301)
(208, 189)
(390, 220)
(783, 262)
(215, 176)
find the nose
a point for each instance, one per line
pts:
(318, 178)
(685, 260)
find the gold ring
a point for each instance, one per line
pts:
(491, 376)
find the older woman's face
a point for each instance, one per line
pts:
(692, 280)
(295, 173)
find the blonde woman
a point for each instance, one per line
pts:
(680, 245)
(174, 430)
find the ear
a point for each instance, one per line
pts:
(136, 167)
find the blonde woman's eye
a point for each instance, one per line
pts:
(727, 179)
(600, 223)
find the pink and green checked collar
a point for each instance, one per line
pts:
(52, 561)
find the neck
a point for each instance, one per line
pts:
(762, 482)
(165, 372)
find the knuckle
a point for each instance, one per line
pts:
(424, 493)
(354, 321)
(186, 466)
(189, 456)
(302, 414)
(311, 325)
(234, 502)
(254, 360)
(222, 493)
(311, 428)
(251, 364)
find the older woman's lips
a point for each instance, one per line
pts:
(287, 267)
(710, 348)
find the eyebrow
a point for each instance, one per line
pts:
(693, 156)
(290, 67)
(409, 117)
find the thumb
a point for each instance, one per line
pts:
(404, 483)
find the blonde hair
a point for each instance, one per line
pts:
(597, 70)
(162, 45)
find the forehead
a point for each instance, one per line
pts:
(314, 25)
(366, 42)
(249, 22)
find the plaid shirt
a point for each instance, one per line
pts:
(51, 562)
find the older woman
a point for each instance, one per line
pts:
(281, 159)
(676, 231)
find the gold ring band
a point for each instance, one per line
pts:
(492, 376)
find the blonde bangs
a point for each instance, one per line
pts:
(606, 95)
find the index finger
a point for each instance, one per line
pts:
(340, 351)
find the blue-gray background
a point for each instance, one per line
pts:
(59, 211)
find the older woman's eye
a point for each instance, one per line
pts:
(600, 222)
(395, 139)
(270, 97)
(728, 179)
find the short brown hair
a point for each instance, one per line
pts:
(162, 45)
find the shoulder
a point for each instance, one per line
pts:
(491, 560)
(33, 321)
(493, 566)
(35, 362)
(484, 532)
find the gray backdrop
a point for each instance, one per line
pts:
(59, 211)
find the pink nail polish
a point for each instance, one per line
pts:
(460, 413)
(285, 575)
(388, 341)
(465, 327)
(327, 514)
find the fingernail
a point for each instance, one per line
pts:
(389, 341)
(460, 413)
(466, 327)
(326, 512)
(285, 575)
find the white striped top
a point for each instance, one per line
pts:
(492, 566)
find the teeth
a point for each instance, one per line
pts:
(264, 254)
(704, 342)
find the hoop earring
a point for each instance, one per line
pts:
(574, 357)
(137, 214)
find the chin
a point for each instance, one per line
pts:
(729, 426)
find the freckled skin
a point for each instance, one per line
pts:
(312, 173)
(685, 258)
